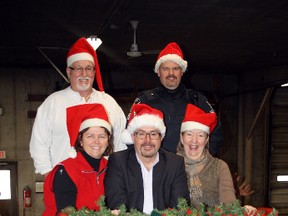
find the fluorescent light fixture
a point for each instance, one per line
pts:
(284, 85)
(94, 41)
(282, 178)
(5, 186)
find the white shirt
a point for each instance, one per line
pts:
(147, 176)
(50, 143)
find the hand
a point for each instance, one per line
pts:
(245, 189)
(250, 210)
(115, 212)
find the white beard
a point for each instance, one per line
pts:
(83, 87)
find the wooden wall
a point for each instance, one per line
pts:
(278, 191)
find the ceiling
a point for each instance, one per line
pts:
(222, 35)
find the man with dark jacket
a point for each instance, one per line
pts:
(145, 177)
(172, 98)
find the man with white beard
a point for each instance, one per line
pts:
(49, 142)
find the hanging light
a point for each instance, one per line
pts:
(94, 41)
(282, 178)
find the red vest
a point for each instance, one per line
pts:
(89, 184)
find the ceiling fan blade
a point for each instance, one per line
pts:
(134, 54)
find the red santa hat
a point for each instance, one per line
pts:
(142, 115)
(196, 118)
(84, 116)
(82, 50)
(171, 52)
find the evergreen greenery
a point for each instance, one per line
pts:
(183, 209)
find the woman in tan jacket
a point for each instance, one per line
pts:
(209, 179)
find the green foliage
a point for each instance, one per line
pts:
(182, 209)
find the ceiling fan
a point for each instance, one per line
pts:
(134, 50)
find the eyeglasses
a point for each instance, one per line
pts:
(79, 69)
(167, 69)
(154, 135)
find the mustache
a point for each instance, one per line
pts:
(171, 76)
(147, 144)
(81, 78)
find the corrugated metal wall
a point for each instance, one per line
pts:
(279, 150)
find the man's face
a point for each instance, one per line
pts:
(147, 141)
(81, 75)
(170, 74)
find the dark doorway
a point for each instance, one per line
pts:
(8, 189)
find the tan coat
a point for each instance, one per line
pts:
(209, 181)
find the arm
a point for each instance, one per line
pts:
(41, 140)
(226, 187)
(115, 191)
(118, 126)
(64, 189)
(118, 121)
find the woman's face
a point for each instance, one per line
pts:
(95, 141)
(194, 142)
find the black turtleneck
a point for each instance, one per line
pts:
(64, 188)
(94, 163)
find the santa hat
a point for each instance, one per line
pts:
(142, 115)
(84, 116)
(82, 50)
(196, 118)
(171, 52)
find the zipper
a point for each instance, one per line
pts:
(99, 174)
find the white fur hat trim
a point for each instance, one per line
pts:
(137, 122)
(95, 122)
(79, 57)
(171, 57)
(190, 125)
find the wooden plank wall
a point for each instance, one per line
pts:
(279, 150)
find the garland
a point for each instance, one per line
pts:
(183, 209)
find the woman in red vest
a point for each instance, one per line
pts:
(78, 180)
